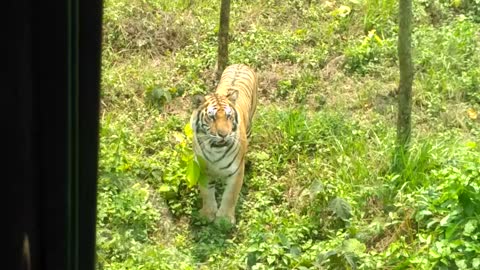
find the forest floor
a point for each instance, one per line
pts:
(321, 191)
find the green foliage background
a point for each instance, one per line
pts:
(320, 189)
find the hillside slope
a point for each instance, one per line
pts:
(320, 189)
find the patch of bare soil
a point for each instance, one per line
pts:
(158, 32)
(269, 77)
(333, 67)
(180, 106)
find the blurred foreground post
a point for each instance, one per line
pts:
(223, 38)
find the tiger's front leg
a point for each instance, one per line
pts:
(209, 208)
(230, 195)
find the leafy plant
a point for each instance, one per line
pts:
(362, 56)
(380, 15)
(451, 217)
(451, 67)
(319, 191)
(195, 164)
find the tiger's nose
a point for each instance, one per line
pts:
(222, 133)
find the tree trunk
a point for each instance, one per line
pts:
(223, 38)
(406, 75)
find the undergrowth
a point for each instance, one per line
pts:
(321, 191)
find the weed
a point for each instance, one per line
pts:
(320, 189)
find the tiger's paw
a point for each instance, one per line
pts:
(224, 224)
(225, 218)
(208, 213)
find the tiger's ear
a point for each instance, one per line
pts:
(232, 95)
(197, 100)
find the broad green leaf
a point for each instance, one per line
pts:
(341, 208)
(201, 162)
(252, 248)
(476, 263)
(470, 227)
(157, 174)
(164, 188)
(431, 223)
(461, 264)
(422, 214)
(444, 220)
(188, 131)
(159, 93)
(202, 180)
(350, 258)
(450, 231)
(270, 259)
(295, 251)
(283, 240)
(353, 246)
(315, 188)
(193, 172)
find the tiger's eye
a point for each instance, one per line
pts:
(211, 112)
(228, 111)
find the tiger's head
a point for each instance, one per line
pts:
(215, 118)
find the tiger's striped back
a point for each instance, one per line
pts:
(243, 79)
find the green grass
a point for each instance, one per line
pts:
(321, 191)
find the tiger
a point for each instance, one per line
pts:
(222, 124)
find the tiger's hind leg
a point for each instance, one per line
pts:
(209, 208)
(230, 195)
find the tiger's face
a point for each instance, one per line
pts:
(216, 119)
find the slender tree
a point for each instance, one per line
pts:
(406, 75)
(223, 38)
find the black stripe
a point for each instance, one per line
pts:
(233, 81)
(241, 82)
(250, 75)
(203, 151)
(216, 101)
(234, 158)
(240, 164)
(244, 83)
(197, 123)
(236, 118)
(246, 75)
(226, 152)
(246, 89)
